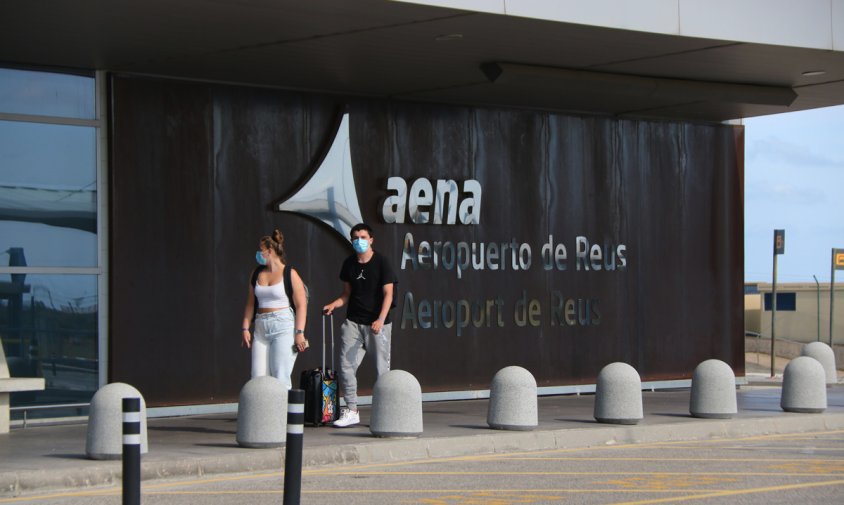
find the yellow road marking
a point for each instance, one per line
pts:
(783, 446)
(701, 493)
(388, 491)
(684, 444)
(486, 498)
(105, 492)
(720, 460)
(467, 473)
(814, 466)
(680, 444)
(669, 481)
(213, 480)
(144, 487)
(736, 492)
(426, 491)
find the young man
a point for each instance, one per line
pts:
(367, 294)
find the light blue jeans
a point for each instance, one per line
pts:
(272, 345)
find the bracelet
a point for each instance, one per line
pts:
(245, 329)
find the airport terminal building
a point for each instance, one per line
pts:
(558, 185)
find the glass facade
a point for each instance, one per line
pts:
(47, 94)
(49, 329)
(48, 200)
(49, 261)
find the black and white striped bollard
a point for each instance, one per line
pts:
(131, 451)
(293, 450)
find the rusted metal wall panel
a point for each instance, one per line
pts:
(197, 167)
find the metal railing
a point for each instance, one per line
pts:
(26, 408)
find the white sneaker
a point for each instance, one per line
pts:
(347, 418)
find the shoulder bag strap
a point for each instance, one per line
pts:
(288, 285)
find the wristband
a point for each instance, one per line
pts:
(245, 329)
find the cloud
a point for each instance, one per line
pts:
(781, 193)
(774, 149)
(795, 185)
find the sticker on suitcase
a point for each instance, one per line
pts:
(329, 400)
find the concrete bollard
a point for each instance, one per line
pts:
(804, 386)
(262, 413)
(396, 406)
(512, 400)
(105, 422)
(618, 395)
(825, 356)
(713, 391)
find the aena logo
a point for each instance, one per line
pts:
(447, 201)
(330, 194)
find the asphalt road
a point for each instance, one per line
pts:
(805, 468)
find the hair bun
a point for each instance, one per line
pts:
(278, 237)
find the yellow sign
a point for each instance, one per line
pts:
(838, 259)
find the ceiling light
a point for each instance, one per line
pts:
(448, 37)
(813, 73)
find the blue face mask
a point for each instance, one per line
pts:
(259, 257)
(361, 245)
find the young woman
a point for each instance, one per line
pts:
(279, 331)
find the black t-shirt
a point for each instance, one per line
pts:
(367, 281)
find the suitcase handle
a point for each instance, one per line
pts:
(331, 325)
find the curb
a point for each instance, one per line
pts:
(383, 451)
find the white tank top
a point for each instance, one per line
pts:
(271, 297)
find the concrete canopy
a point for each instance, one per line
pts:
(665, 60)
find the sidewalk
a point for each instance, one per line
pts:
(51, 458)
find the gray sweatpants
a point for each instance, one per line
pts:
(355, 340)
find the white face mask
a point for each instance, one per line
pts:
(361, 245)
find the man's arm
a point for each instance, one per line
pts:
(387, 291)
(340, 301)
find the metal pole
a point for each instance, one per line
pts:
(131, 451)
(293, 450)
(831, 297)
(773, 317)
(818, 285)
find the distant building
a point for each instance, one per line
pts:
(802, 311)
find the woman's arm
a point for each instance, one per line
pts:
(248, 312)
(300, 299)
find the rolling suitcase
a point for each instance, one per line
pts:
(320, 386)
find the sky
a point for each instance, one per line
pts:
(794, 180)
